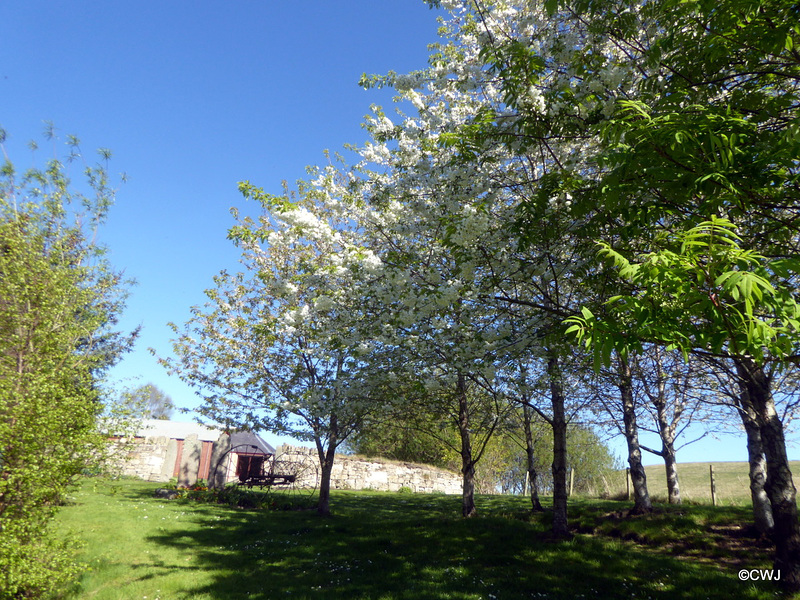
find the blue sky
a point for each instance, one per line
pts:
(192, 98)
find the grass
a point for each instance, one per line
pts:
(387, 546)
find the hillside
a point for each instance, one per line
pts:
(732, 482)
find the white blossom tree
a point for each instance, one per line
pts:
(275, 347)
(450, 201)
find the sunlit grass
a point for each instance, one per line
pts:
(401, 546)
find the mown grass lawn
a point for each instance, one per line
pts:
(402, 546)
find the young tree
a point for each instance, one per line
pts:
(709, 295)
(664, 396)
(277, 346)
(503, 468)
(673, 140)
(59, 301)
(439, 338)
(732, 388)
(641, 495)
(457, 195)
(668, 405)
(531, 456)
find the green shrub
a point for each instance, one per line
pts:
(60, 301)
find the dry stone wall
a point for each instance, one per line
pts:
(146, 458)
(153, 459)
(354, 473)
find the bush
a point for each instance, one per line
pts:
(59, 300)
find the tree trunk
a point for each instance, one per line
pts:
(779, 486)
(762, 509)
(560, 523)
(666, 431)
(641, 497)
(671, 465)
(326, 458)
(468, 508)
(533, 476)
(323, 505)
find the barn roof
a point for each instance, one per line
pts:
(180, 430)
(177, 430)
(248, 438)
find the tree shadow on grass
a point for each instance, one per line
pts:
(384, 546)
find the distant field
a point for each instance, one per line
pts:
(731, 478)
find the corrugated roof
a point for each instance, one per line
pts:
(180, 430)
(177, 430)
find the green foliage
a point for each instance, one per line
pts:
(59, 300)
(717, 137)
(695, 136)
(504, 463)
(417, 435)
(707, 293)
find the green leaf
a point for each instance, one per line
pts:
(577, 329)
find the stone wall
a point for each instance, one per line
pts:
(145, 458)
(354, 473)
(153, 459)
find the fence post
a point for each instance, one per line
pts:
(571, 479)
(628, 483)
(713, 485)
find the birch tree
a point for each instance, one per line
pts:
(715, 297)
(677, 140)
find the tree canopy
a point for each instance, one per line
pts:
(561, 172)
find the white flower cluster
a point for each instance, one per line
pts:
(407, 257)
